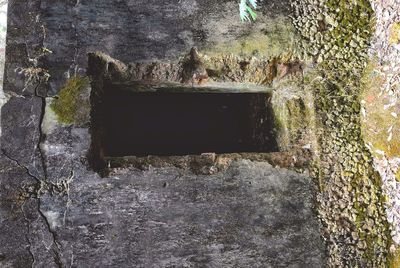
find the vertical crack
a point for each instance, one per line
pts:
(28, 226)
(41, 136)
(23, 167)
(56, 250)
(76, 45)
(41, 186)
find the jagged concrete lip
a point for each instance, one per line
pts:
(293, 160)
(175, 87)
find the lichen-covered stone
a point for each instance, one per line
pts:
(334, 30)
(344, 166)
(336, 35)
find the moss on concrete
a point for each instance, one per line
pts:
(337, 30)
(337, 34)
(221, 68)
(72, 105)
(397, 175)
(293, 108)
(268, 37)
(345, 167)
(209, 163)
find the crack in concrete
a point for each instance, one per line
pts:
(41, 186)
(41, 136)
(62, 187)
(23, 167)
(28, 224)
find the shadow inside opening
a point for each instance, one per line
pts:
(165, 123)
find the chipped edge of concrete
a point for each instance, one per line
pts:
(211, 163)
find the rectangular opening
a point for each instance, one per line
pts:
(173, 122)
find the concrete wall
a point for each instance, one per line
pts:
(56, 212)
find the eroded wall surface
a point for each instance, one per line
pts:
(57, 212)
(333, 68)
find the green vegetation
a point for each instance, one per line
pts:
(339, 32)
(294, 116)
(246, 12)
(345, 166)
(72, 105)
(337, 36)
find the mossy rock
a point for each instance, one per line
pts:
(73, 105)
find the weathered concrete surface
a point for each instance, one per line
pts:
(253, 215)
(56, 212)
(249, 215)
(132, 30)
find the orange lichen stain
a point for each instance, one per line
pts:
(370, 98)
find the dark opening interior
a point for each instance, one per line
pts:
(166, 123)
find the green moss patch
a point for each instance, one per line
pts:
(345, 174)
(339, 32)
(337, 35)
(72, 105)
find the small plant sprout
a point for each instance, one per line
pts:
(246, 10)
(33, 75)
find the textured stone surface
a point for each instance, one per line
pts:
(132, 30)
(250, 216)
(56, 212)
